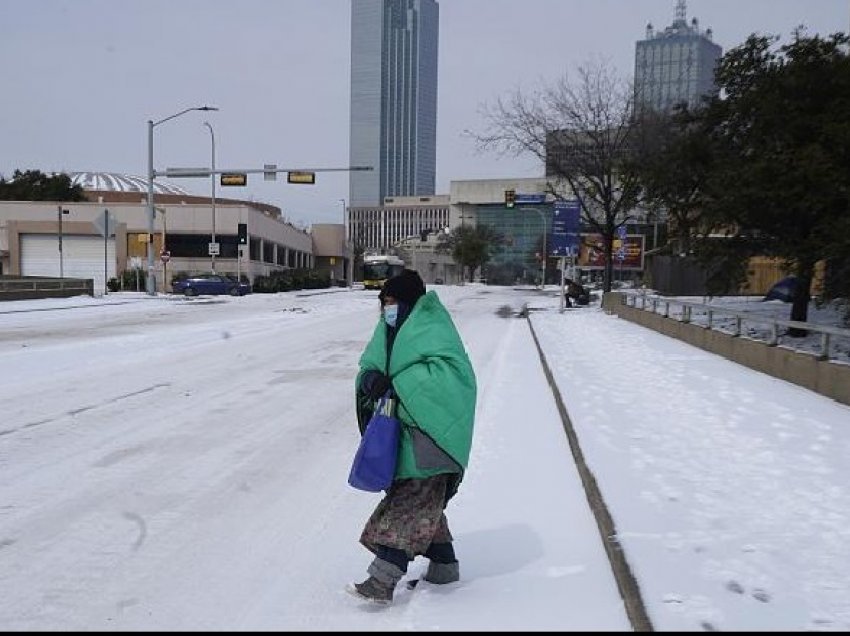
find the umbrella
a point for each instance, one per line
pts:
(783, 290)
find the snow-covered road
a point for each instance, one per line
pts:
(181, 464)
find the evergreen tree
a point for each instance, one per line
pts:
(34, 185)
(470, 246)
(778, 184)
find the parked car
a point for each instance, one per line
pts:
(212, 284)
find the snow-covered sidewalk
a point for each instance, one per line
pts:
(728, 488)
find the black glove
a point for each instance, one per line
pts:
(375, 384)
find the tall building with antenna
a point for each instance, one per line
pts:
(675, 65)
(393, 99)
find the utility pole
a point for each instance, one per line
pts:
(212, 199)
(59, 213)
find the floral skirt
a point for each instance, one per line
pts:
(410, 517)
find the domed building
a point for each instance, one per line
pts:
(40, 238)
(112, 186)
(114, 182)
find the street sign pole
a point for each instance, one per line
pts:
(239, 252)
(563, 301)
(105, 251)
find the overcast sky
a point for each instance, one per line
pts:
(82, 78)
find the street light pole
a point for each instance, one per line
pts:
(348, 248)
(212, 182)
(150, 281)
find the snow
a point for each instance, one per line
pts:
(180, 464)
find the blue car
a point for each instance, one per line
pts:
(211, 284)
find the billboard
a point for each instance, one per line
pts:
(628, 252)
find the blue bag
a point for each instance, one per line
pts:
(373, 468)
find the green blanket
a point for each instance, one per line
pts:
(435, 383)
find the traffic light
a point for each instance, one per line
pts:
(510, 198)
(243, 234)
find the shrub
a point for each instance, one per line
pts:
(290, 280)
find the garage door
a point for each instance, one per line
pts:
(82, 257)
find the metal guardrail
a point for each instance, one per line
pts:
(651, 302)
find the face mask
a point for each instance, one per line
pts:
(391, 314)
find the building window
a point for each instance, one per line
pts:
(197, 245)
(268, 252)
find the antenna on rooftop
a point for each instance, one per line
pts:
(681, 11)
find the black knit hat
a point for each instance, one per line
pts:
(407, 287)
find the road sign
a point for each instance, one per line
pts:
(564, 239)
(300, 177)
(103, 223)
(214, 249)
(165, 256)
(188, 173)
(270, 172)
(234, 179)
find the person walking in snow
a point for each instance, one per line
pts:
(417, 353)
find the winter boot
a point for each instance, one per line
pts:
(441, 573)
(379, 587)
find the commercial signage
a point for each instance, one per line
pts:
(527, 199)
(628, 252)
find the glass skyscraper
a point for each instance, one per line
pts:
(675, 65)
(393, 99)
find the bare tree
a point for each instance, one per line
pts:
(581, 132)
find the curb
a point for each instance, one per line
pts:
(626, 582)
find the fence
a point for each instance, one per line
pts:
(747, 338)
(684, 276)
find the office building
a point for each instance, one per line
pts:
(675, 65)
(393, 99)
(378, 228)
